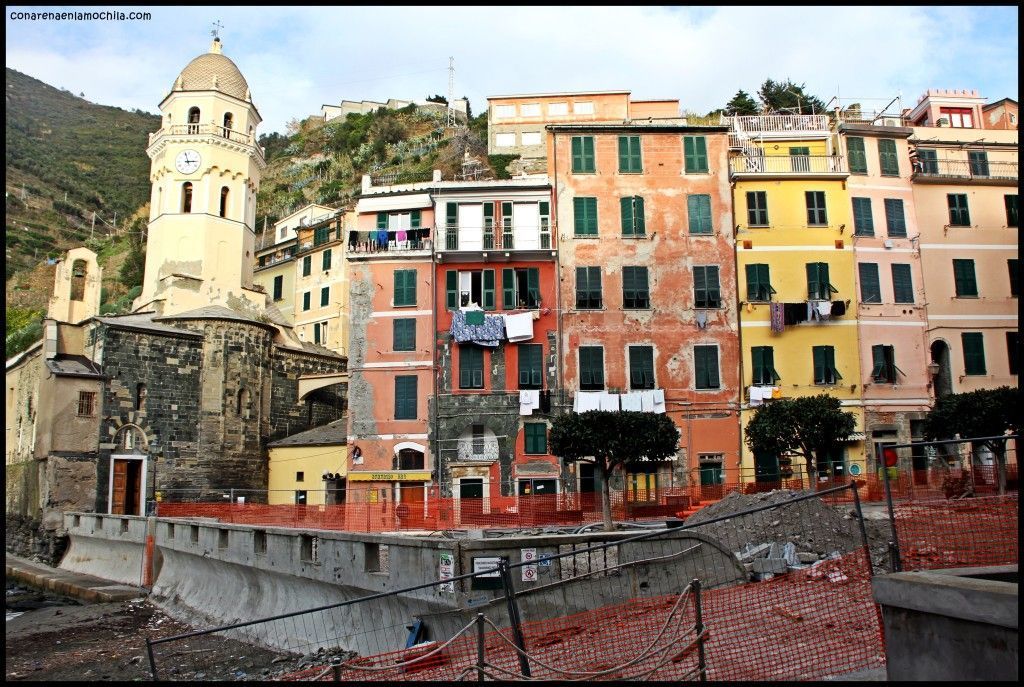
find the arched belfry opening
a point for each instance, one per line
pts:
(193, 120)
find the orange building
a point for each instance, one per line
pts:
(647, 272)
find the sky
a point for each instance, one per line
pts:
(299, 58)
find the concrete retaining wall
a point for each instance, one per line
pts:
(110, 547)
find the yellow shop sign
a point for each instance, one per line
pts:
(391, 476)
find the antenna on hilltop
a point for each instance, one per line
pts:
(451, 93)
(215, 32)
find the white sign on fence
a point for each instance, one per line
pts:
(529, 556)
(447, 571)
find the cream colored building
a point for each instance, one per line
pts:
(205, 171)
(309, 467)
(321, 282)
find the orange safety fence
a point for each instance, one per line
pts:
(952, 534)
(808, 624)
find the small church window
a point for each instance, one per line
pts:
(140, 396)
(228, 120)
(243, 403)
(193, 120)
(224, 201)
(78, 273)
(186, 197)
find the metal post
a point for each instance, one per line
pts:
(863, 529)
(152, 661)
(699, 628)
(480, 647)
(894, 545)
(513, 615)
(336, 668)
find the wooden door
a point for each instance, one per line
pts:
(411, 506)
(120, 487)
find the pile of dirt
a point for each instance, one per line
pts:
(815, 528)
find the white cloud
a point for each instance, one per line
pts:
(296, 59)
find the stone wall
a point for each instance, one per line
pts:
(287, 413)
(26, 537)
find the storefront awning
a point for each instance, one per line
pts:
(390, 476)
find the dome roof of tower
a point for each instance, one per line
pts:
(213, 71)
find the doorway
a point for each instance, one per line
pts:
(471, 499)
(412, 500)
(126, 485)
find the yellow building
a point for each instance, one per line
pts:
(794, 255)
(321, 281)
(309, 468)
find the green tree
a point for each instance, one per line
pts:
(610, 439)
(437, 99)
(134, 266)
(741, 105)
(982, 413)
(812, 427)
(777, 96)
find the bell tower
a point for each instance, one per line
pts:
(205, 172)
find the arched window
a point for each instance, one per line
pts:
(193, 120)
(140, 396)
(130, 440)
(243, 403)
(186, 197)
(224, 201)
(228, 121)
(78, 272)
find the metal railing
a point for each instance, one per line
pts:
(965, 169)
(788, 164)
(776, 123)
(392, 178)
(453, 240)
(207, 130)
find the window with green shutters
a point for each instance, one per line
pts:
(1013, 265)
(536, 438)
(757, 208)
(963, 279)
(591, 368)
(974, 353)
(588, 288)
(405, 397)
(762, 360)
(583, 155)
(959, 216)
(816, 215)
(698, 212)
(325, 296)
(858, 160)
(927, 161)
(635, 292)
(895, 221)
(520, 288)
(705, 363)
(902, 283)
(471, 367)
(800, 158)
(403, 334)
(1012, 208)
(818, 286)
(706, 288)
(870, 289)
(307, 265)
(278, 288)
(695, 151)
(451, 289)
(531, 366)
(325, 263)
(305, 300)
(1012, 348)
(825, 371)
(629, 155)
(641, 367)
(490, 299)
(382, 220)
(507, 237)
(863, 222)
(585, 216)
(632, 210)
(759, 286)
(887, 158)
(405, 287)
(321, 235)
(979, 163)
(883, 364)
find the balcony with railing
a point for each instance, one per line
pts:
(457, 238)
(944, 171)
(365, 243)
(775, 126)
(195, 130)
(789, 165)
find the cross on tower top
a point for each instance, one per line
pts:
(217, 26)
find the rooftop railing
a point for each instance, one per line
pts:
(788, 164)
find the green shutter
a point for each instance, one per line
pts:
(623, 154)
(813, 280)
(326, 260)
(902, 284)
(757, 364)
(698, 208)
(382, 220)
(533, 285)
(895, 221)
(706, 367)
(626, 211)
(870, 289)
(819, 364)
(974, 353)
(508, 289)
(405, 287)
(325, 296)
(405, 398)
(887, 158)
(877, 362)
(588, 154)
(696, 153)
(963, 274)
(858, 160)
(451, 289)
(585, 216)
(863, 222)
(753, 293)
(577, 154)
(415, 217)
(488, 303)
(404, 334)
(305, 300)
(451, 214)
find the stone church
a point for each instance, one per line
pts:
(178, 399)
